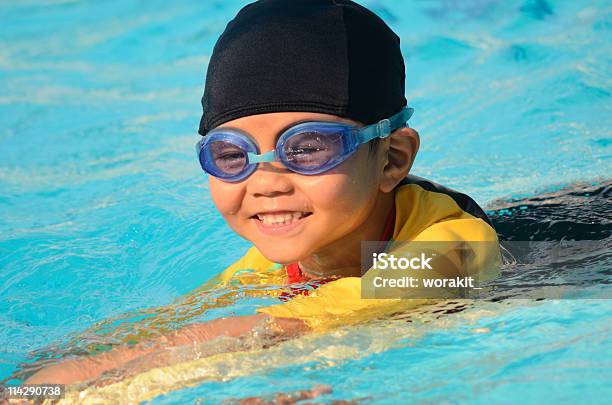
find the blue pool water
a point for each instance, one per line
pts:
(104, 210)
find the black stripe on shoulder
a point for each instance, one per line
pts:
(465, 202)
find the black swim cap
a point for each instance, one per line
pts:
(324, 56)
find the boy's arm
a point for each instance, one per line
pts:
(81, 369)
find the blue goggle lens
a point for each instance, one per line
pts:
(226, 157)
(309, 151)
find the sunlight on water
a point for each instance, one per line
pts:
(105, 215)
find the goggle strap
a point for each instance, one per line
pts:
(264, 157)
(383, 128)
(400, 119)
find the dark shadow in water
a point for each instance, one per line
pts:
(556, 244)
(580, 211)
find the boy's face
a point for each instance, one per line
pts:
(321, 209)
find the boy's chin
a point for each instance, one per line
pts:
(277, 254)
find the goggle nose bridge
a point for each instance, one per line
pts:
(264, 157)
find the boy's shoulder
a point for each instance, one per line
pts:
(428, 210)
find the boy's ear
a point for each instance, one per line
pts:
(403, 145)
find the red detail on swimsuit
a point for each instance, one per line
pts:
(304, 288)
(295, 275)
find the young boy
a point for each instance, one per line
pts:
(306, 144)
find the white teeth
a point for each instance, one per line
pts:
(280, 219)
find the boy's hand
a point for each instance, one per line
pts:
(85, 368)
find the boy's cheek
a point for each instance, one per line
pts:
(225, 197)
(339, 184)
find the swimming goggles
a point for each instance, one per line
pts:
(308, 148)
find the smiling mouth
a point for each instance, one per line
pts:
(281, 218)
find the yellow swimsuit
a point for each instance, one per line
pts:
(425, 211)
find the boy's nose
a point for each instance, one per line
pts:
(270, 178)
